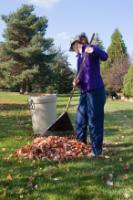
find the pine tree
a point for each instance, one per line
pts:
(26, 49)
(117, 49)
(98, 42)
(128, 83)
(63, 75)
(117, 64)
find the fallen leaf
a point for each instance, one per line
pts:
(56, 179)
(9, 177)
(21, 196)
(21, 190)
(125, 177)
(126, 167)
(36, 187)
(120, 159)
(33, 161)
(30, 178)
(126, 195)
(18, 138)
(110, 183)
(54, 148)
(106, 157)
(3, 149)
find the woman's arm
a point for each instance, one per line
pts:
(97, 51)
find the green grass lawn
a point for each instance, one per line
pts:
(109, 178)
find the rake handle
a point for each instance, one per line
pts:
(81, 67)
(72, 92)
(78, 75)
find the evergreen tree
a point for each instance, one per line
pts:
(98, 42)
(3, 58)
(63, 75)
(117, 49)
(128, 83)
(26, 49)
(117, 74)
(117, 64)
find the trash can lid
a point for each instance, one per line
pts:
(48, 98)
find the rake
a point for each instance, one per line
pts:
(63, 125)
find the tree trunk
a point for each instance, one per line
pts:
(28, 87)
(22, 88)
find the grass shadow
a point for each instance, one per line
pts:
(80, 179)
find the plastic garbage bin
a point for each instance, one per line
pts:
(43, 112)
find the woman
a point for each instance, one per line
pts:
(90, 112)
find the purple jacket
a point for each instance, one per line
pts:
(90, 77)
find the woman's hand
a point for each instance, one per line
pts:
(89, 49)
(75, 82)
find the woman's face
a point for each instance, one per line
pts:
(77, 47)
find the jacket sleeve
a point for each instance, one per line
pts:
(100, 53)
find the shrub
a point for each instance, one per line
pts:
(128, 83)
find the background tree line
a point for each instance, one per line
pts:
(30, 62)
(117, 71)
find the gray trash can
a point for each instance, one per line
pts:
(43, 112)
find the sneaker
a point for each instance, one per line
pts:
(93, 155)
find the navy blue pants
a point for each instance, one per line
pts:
(90, 114)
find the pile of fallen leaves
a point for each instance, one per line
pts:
(54, 148)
